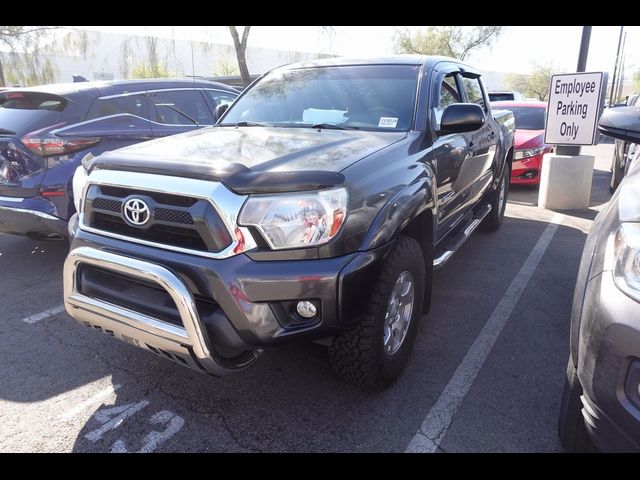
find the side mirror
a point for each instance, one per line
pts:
(622, 123)
(461, 117)
(220, 109)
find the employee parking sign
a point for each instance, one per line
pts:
(575, 101)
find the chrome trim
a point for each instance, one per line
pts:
(226, 203)
(32, 212)
(472, 226)
(440, 261)
(462, 237)
(145, 92)
(136, 327)
(12, 199)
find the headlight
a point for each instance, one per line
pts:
(296, 220)
(80, 179)
(627, 253)
(629, 202)
(528, 152)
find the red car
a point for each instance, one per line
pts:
(529, 140)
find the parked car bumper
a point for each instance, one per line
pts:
(526, 171)
(31, 216)
(198, 309)
(610, 374)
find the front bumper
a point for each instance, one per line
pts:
(31, 216)
(526, 171)
(608, 350)
(213, 315)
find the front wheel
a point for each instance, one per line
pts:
(571, 428)
(375, 352)
(498, 201)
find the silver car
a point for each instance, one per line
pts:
(601, 401)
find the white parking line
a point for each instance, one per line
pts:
(72, 412)
(437, 422)
(42, 315)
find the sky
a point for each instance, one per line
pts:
(515, 51)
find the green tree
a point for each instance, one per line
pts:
(241, 48)
(451, 41)
(28, 61)
(24, 62)
(153, 65)
(636, 81)
(535, 84)
(148, 70)
(225, 67)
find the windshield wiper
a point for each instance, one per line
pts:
(333, 126)
(6, 132)
(246, 123)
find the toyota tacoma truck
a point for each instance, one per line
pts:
(316, 209)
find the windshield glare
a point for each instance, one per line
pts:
(528, 118)
(372, 97)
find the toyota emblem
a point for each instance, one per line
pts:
(136, 212)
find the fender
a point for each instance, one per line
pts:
(400, 210)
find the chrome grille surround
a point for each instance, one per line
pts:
(226, 203)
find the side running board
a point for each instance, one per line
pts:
(455, 244)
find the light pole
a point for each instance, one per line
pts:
(613, 79)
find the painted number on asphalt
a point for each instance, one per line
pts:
(113, 417)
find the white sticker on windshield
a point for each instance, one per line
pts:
(388, 122)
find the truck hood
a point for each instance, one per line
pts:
(253, 159)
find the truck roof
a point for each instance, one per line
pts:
(427, 60)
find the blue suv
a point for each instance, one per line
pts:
(46, 131)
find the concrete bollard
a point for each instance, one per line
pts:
(565, 182)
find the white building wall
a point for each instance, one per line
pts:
(110, 54)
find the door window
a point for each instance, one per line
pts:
(181, 107)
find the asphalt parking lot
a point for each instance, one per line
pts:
(486, 374)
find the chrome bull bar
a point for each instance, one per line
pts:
(186, 345)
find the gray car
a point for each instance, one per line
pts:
(601, 401)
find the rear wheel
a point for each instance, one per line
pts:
(375, 352)
(498, 201)
(571, 428)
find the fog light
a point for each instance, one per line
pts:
(306, 309)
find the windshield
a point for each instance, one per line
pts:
(371, 97)
(528, 118)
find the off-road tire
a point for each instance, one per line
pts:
(358, 355)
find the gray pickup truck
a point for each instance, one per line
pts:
(316, 209)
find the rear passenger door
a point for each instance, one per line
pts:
(120, 120)
(178, 111)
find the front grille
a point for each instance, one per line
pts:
(135, 294)
(107, 204)
(173, 216)
(143, 297)
(176, 221)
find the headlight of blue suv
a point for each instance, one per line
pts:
(527, 152)
(298, 219)
(80, 179)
